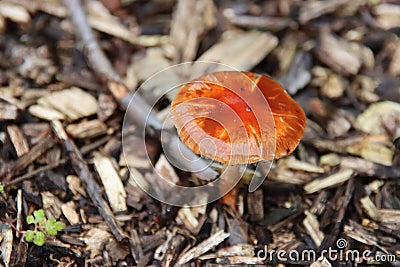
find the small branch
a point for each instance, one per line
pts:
(34, 172)
(102, 66)
(97, 59)
(22, 162)
(93, 189)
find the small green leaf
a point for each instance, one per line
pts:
(52, 226)
(39, 215)
(29, 235)
(30, 219)
(59, 226)
(39, 239)
(1, 187)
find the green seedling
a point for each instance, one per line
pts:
(1, 187)
(43, 226)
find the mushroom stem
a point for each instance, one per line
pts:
(263, 168)
(230, 173)
(182, 156)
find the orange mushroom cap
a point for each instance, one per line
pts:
(237, 117)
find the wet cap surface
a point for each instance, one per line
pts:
(237, 117)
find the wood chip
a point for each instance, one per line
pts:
(46, 113)
(192, 218)
(240, 51)
(389, 216)
(18, 140)
(314, 9)
(394, 66)
(387, 15)
(165, 170)
(210, 243)
(370, 208)
(311, 225)
(259, 22)
(241, 260)
(14, 12)
(298, 165)
(375, 152)
(112, 182)
(95, 240)
(51, 205)
(339, 125)
(364, 88)
(337, 53)
(133, 158)
(329, 181)
(255, 205)
(75, 186)
(360, 233)
(331, 84)
(6, 243)
(87, 129)
(100, 19)
(190, 21)
(65, 103)
(149, 63)
(69, 211)
(237, 231)
(370, 121)
(177, 244)
(321, 262)
(8, 112)
(298, 75)
(246, 250)
(330, 159)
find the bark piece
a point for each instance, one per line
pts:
(69, 211)
(330, 84)
(111, 181)
(22, 162)
(370, 208)
(255, 205)
(8, 112)
(375, 152)
(314, 9)
(14, 12)
(6, 240)
(342, 56)
(370, 121)
(259, 22)
(46, 113)
(298, 75)
(18, 140)
(311, 224)
(153, 68)
(387, 15)
(190, 21)
(245, 250)
(329, 181)
(65, 102)
(240, 51)
(211, 242)
(360, 233)
(87, 129)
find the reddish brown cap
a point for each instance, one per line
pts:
(237, 117)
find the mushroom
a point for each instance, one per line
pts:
(237, 118)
